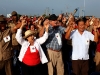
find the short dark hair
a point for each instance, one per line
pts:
(81, 19)
(31, 25)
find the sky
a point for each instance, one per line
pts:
(38, 7)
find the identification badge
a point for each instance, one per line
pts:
(6, 39)
(32, 49)
(87, 41)
(57, 35)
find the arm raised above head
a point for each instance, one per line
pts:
(42, 39)
(18, 36)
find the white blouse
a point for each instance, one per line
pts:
(25, 44)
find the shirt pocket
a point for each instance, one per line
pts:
(87, 41)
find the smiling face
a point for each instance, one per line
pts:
(30, 39)
(81, 26)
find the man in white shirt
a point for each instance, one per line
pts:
(80, 43)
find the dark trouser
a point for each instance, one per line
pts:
(97, 61)
(98, 68)
(80, 67)
(16, 64)
(31, 70)
(7, 65)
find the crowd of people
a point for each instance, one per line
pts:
(49, 45)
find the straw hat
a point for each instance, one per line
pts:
(29, 32)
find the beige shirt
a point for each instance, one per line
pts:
(6, 44)
(14, 41)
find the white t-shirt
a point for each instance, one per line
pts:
(80, 44)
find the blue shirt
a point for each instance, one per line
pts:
(52, 41)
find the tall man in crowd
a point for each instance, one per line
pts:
(15, 46)
(80, 43)
(13, 22)
(6, 51)
(54, 45)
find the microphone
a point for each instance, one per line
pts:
(74, 11)
(72, 14)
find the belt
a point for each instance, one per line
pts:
(15, 45)
(81, 59)
(54, 50)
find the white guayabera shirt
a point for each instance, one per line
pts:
(80, 44)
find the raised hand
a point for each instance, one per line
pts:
(22, 17)
(23, 23)
(92, 20)
(46, 24)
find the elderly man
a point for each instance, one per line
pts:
(54, 45)
(15, 45)
(6, 51)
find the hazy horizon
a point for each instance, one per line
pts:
(38, 7)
